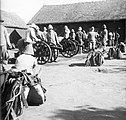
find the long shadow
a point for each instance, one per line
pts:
(77, 64)
(121, 69)
(90, 114)
(113, 70)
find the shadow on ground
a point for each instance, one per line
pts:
(90, 114)
(77, 64)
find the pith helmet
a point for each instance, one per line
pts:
(92, 28)
(80, 28)
(104, 26)
(50, 27)
(33, 25)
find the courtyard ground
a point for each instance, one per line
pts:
(81, 93)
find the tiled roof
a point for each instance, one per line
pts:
(12, 20)
(78, 12)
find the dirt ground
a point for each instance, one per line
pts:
(81, 93)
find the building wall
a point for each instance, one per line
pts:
(111, 26)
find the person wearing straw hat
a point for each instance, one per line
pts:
(4, 44)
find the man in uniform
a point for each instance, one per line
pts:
(52, 36)
(66, 32)
(104, 36)
(92, 35)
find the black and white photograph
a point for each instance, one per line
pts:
(63, 60)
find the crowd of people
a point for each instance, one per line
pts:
(27, 61)
(92, 37)
(89, 39)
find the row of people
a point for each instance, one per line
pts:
(90, 38)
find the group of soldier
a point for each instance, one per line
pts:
(89, 39)
(48, 34)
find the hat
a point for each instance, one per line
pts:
(50, 27)
(33, 25)
(72, 30)
(45, 28)
(65, 27)
(80, 28)
(92, 28)
(104, 26)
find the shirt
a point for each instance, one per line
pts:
(66, 33)
(105, 35)
(26, 62)
(79, 35)
(31, 35)
(92, 36)
(52, 37)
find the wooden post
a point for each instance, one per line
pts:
(125, 32)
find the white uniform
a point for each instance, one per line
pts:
(27, 62)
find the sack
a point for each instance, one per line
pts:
(99, 58)
(118, 53)
(94, 59)
(12, 99)
(112, 53)
(122, 47)
(36, 95)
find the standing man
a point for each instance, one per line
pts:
(110, 36)
(52, 36)
(72, 34)
(104, 36)
(79, 37)
(31, 37)
(42, 35)
(66, 32)
(117, 36)
(92, 35)
(85, 42)
(45, 32)
(4, 44)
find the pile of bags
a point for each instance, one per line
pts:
(13, 93)
(94, 58)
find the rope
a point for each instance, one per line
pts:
(17, 90)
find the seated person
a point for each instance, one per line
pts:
(27, 62)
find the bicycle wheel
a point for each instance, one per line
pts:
(43, 52)
(69, 48)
